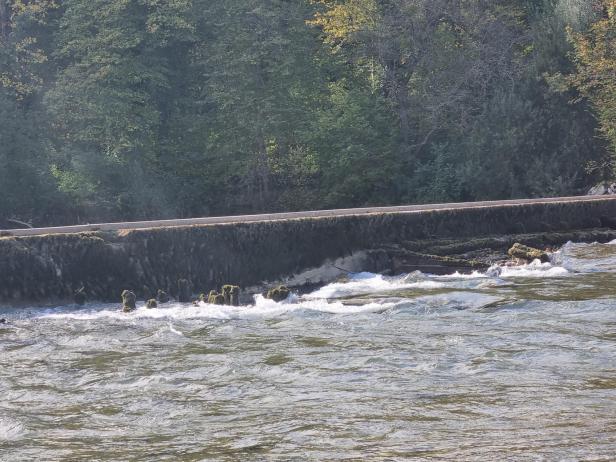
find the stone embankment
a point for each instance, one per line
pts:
(101, 264)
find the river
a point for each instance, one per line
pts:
(515, 364)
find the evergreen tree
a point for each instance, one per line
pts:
(595, 77)
(111, 98)
(27, 189)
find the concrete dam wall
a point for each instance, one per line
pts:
(50, 267)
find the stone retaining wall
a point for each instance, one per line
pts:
(52, 267)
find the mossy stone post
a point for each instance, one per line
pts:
(151, 303)
(162, 296)
(203, 298)
(183, 291)
(80, 296)
(226, 292)
(219, 299)
(211, 298)
(231, 294)
(235, 296)
(129, 301)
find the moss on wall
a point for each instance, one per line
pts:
(53, 267)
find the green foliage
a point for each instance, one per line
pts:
(355, 137)
(595, 77)
(440, 180)
(117, 109)
(27, 189)
(110, 96)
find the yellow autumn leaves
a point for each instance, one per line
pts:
(595, 76)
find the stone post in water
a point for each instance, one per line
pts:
(235, 296)
(162, 296)
(129, 301)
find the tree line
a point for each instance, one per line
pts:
(136, 109)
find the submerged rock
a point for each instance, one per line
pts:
(494, 271)
(2, 321)
(151, 303)
(129, 301)
(80, 296)
(527, 253)
(162, 296)
(183, 291)
(278, 294)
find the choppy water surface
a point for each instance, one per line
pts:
(519, 365)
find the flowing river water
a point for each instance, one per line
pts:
(515, 364)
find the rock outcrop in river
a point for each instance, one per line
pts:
(528, 254)
(278, 294)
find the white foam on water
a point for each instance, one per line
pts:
(317, 301)
(535, 269)
(175, 331)
(457, 299)
(171, 311)
(319, 305)
(457, 275)
(369, 283)
(588, 258)
(362, 275)
(10, 429)
(263, 308)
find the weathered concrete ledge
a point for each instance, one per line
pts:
(53, 267)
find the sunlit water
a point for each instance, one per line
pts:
(519, 364)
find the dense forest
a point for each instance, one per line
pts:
(133, 109)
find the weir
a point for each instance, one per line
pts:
(50, 264)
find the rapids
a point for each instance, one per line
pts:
(518, 363)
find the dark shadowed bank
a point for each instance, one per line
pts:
(53, 267)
